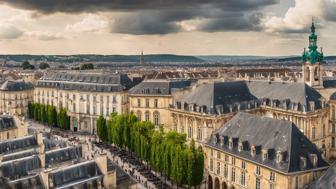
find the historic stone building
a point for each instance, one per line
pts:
(85, 96)
(37, 162)
(12, 127)
(210, 105)
(151, 99)
(207, 106)
(250, 151)
(15, 96)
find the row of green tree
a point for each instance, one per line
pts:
(88, 66)
(166, 152)
(27, 66)
(47, 114)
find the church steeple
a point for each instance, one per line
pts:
(312, 67)
(142, 59)
(312, 55)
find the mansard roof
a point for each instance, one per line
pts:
(86, 82)
(159, 87)
(14, 145)
(240, 95)
(274, 136)
(76, 175)
(327, 180)
(15, 85)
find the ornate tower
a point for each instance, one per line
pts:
(312, 67)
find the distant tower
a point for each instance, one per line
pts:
(142, 59)
(312, 67)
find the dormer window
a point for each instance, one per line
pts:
(303, 162)
(230, 144)
(313, 159)
(253, 150)
(214, 139)
(264, 155)
(222, 142)
(240, 146)
(280, 156)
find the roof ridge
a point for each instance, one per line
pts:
(290, 145)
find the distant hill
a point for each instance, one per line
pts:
(102, 58)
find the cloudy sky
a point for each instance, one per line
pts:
(195, 27)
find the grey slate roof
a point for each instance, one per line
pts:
(12, 85)
(269, 134)
(86, 82)
(6, 123)
(159, 87)
(327, 180)
(240, 95)
(17, 144)
(76, 174)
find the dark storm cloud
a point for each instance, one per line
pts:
(160, 16)
(233, 22)
(71, 6)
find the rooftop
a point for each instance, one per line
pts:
(277, 144)
(224, 97)
(86, 81)
(159, 87)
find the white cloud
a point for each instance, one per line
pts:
(90, 23)
(10, 32)
(298, 18)
(45, 36)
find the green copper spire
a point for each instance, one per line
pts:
(312, 55)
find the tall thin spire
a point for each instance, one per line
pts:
(142, 60)
(313, 26)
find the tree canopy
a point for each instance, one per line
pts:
(166, 152)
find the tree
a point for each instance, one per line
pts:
(63, 119)
(86, 66)
(26, 65)
(52, 115)
(102, 129)
(44, 65)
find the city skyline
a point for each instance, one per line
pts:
(255, 27)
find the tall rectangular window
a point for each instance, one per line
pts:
(233, 174)
(147, 103)
(272, 176)
(211, 165)
(226, 171)
(258, 170)
(258, 183)
(242, 178)
(218, 168)
(139, 102)
(333, 142)
(155, 103)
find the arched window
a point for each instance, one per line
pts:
(156, 116)
(147, 116)
(139, 115)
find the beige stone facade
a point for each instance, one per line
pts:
(14, 97)
(153, 108)
(84, 107)
(226, 171)
(18, 129)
